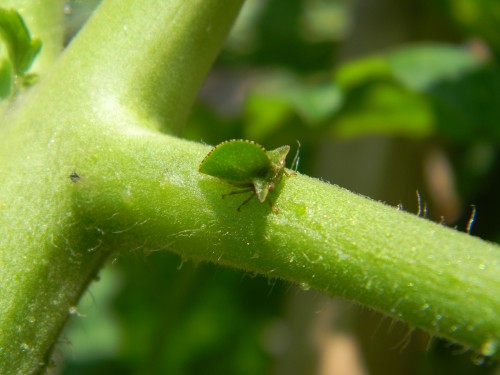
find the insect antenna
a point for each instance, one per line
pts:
(241, 192)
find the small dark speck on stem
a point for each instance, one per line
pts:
(74, 177)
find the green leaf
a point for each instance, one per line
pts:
(384, 107)
(422, 67)
(315, 104)
(278, 103)
(266, 113)
(21, 47)
(464, 92)
(358, 72)
(468, 108)
(420, 90)
(375, 101)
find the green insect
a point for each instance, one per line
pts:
(247, 165)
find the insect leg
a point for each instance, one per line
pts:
(273, 207)
(239, 192)
(246, 201)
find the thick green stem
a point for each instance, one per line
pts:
(47, 251)
(325, 237)
(172, 44)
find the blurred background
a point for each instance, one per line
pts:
(387, 98)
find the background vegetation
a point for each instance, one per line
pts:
(386, 98)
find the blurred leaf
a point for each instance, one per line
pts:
(384, 107)
(276, 104)
(316, 103)
(420, 90)
(265, 114)
(359, 72)
(423, 66)
(22, 48)
(376, 102)
(468, 108)
(416, 91)
(463, 90)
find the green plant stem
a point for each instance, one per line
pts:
(430, 276)
(172, 45)
(133, 188)
(47, 257)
